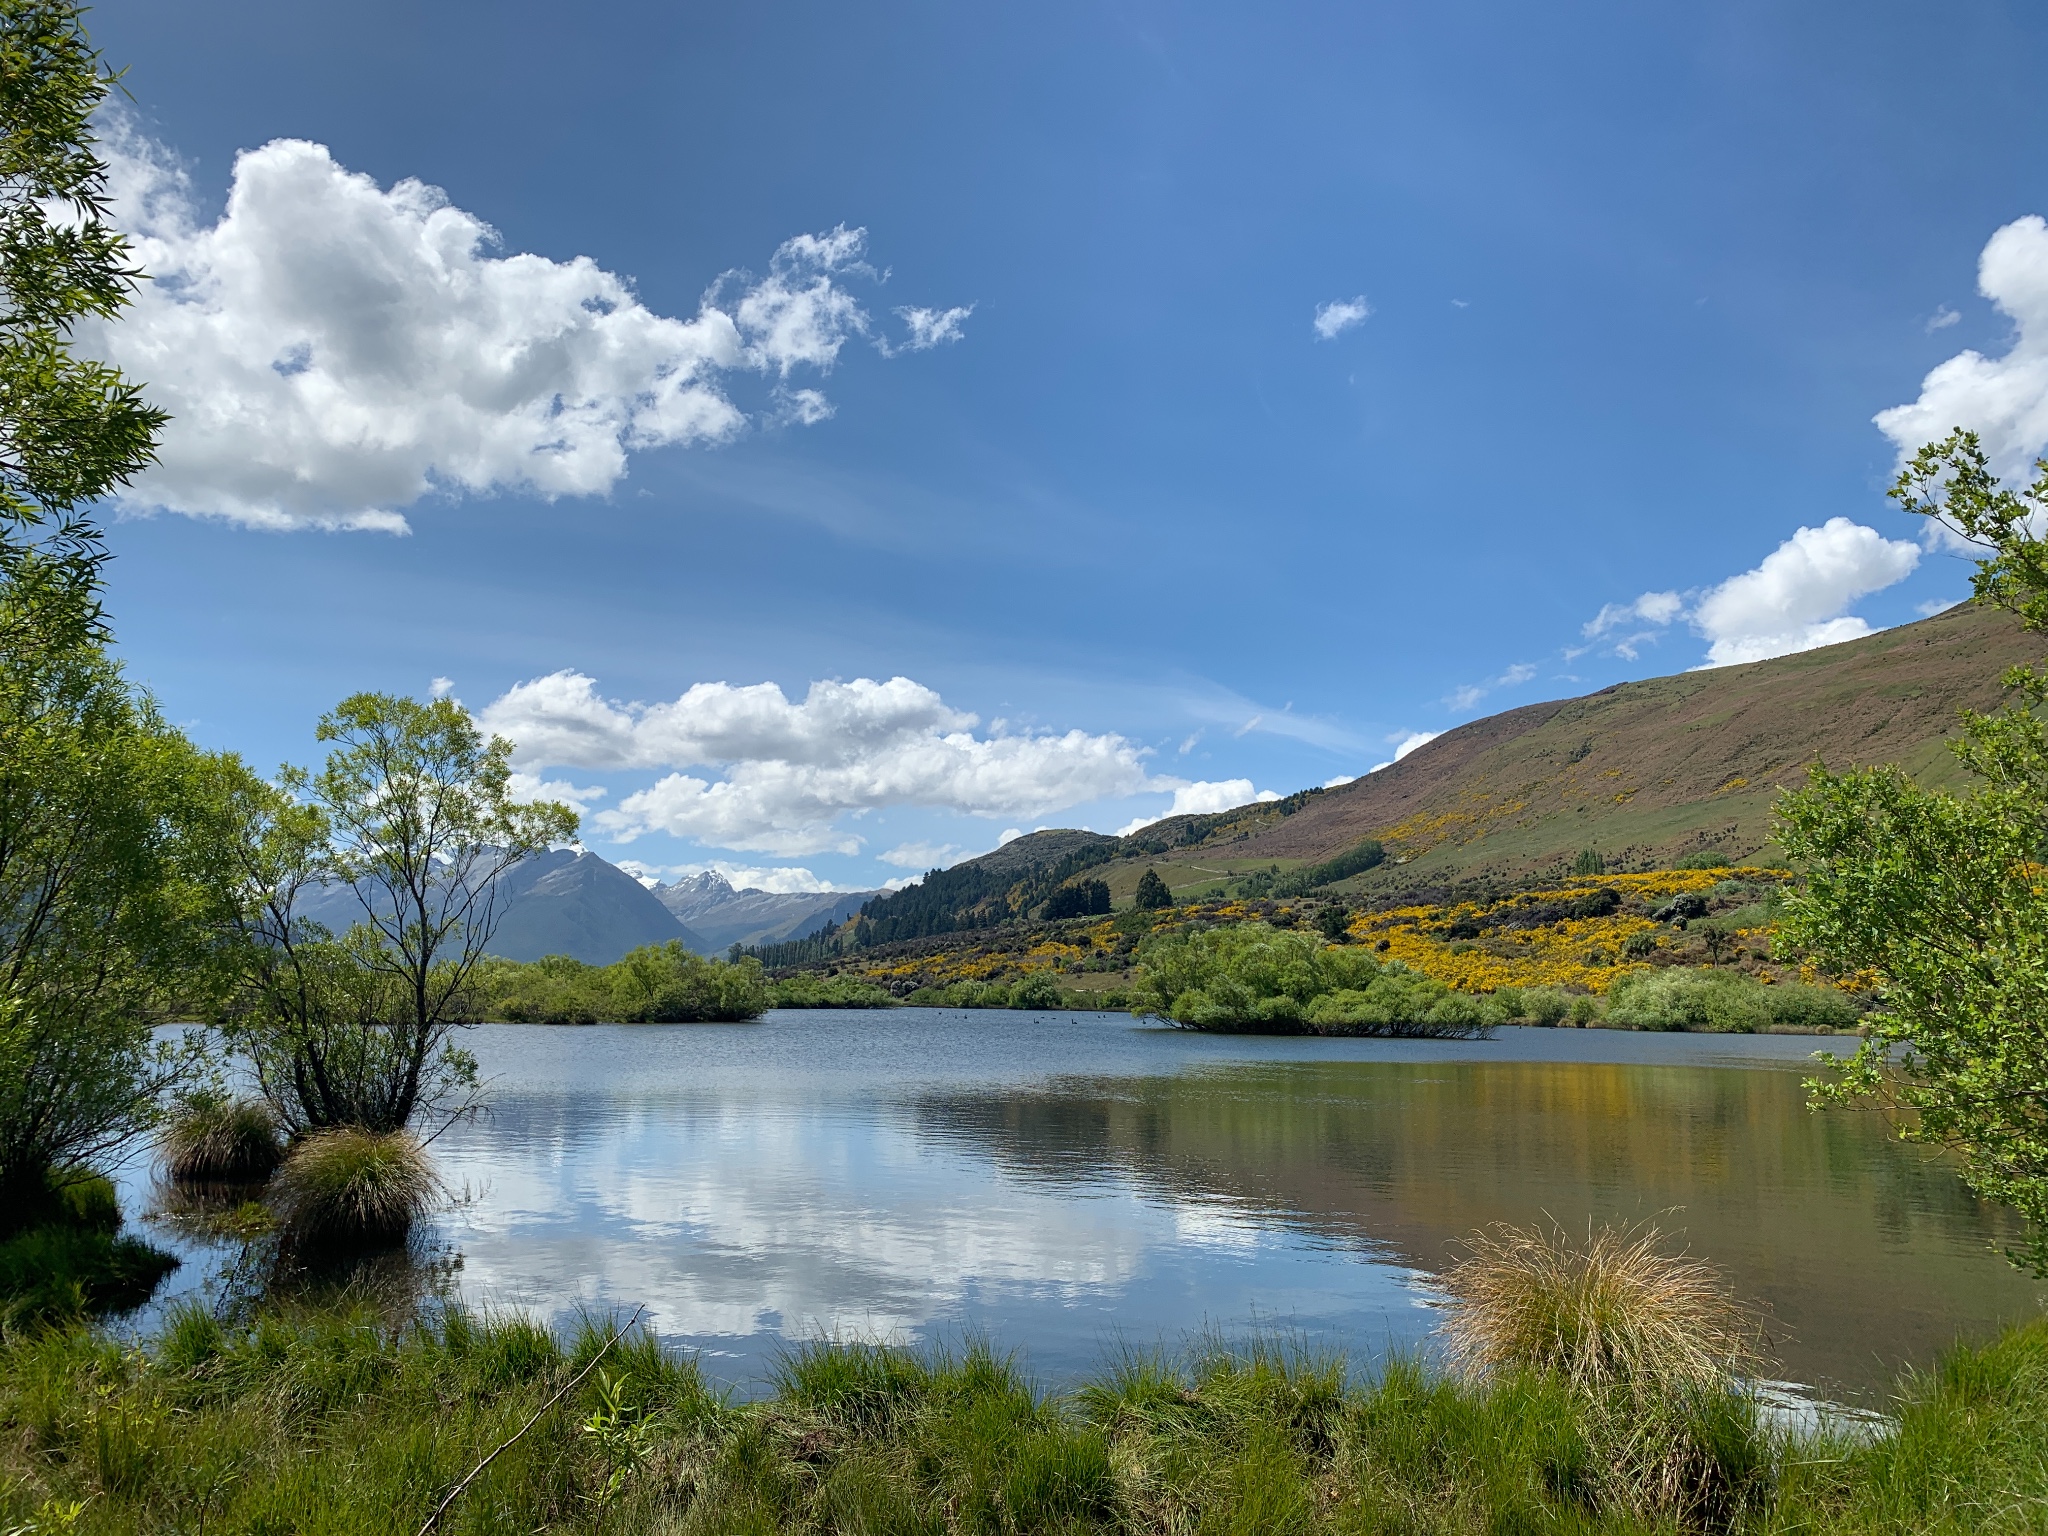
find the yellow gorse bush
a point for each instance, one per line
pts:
(1581, 953)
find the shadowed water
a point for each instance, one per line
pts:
(1067, 1183)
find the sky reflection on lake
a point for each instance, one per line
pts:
(1071, 1183)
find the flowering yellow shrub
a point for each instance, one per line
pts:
(1582, 952)
(1577, 952)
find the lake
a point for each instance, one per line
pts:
(1071, 1184)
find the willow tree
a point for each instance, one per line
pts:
(411, 824)
(1943, 898)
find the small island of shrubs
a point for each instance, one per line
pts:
(1244, 977)
(655, 984)
(1252, 977)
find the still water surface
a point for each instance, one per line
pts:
(1070, 1183)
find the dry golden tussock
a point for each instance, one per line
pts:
(1616, 1311)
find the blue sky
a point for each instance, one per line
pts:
(1609, 298)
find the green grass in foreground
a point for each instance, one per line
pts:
(323, 1421)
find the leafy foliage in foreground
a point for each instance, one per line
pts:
(1944, 898)
(71, 428)
(338, 1421)
(112, 878)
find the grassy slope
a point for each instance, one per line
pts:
(1646, 772)
(1650, 771)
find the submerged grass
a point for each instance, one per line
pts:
(74, 1262)
(337, 1419)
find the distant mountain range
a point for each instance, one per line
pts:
(707, 905)
(567, 902)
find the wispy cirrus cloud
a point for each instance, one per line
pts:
(1337, 316)
(1471, 693)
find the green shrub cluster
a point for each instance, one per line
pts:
(807, 989)
(1723, 1000)
(73, 1262)
(336, 1420)
(655, 984)
(1036, 991)
(1545, 1005)
(1251, 976)
(1254, 977)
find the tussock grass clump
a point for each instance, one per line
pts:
(1651, 1344)
(214, 1139)
(1614, 1311)
(350, 1189)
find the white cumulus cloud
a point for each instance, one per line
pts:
(781, 775)
(1796, 599)
(1406, 745)
(1203, 797)
(924, 856)
(1339, 315)
(2003, 399)
(528, 787)
(332, 351)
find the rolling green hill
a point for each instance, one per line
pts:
(1646, 773)
(1651, 771)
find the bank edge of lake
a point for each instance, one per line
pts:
(337, 1418)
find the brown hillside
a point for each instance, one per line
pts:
(1651, 770)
